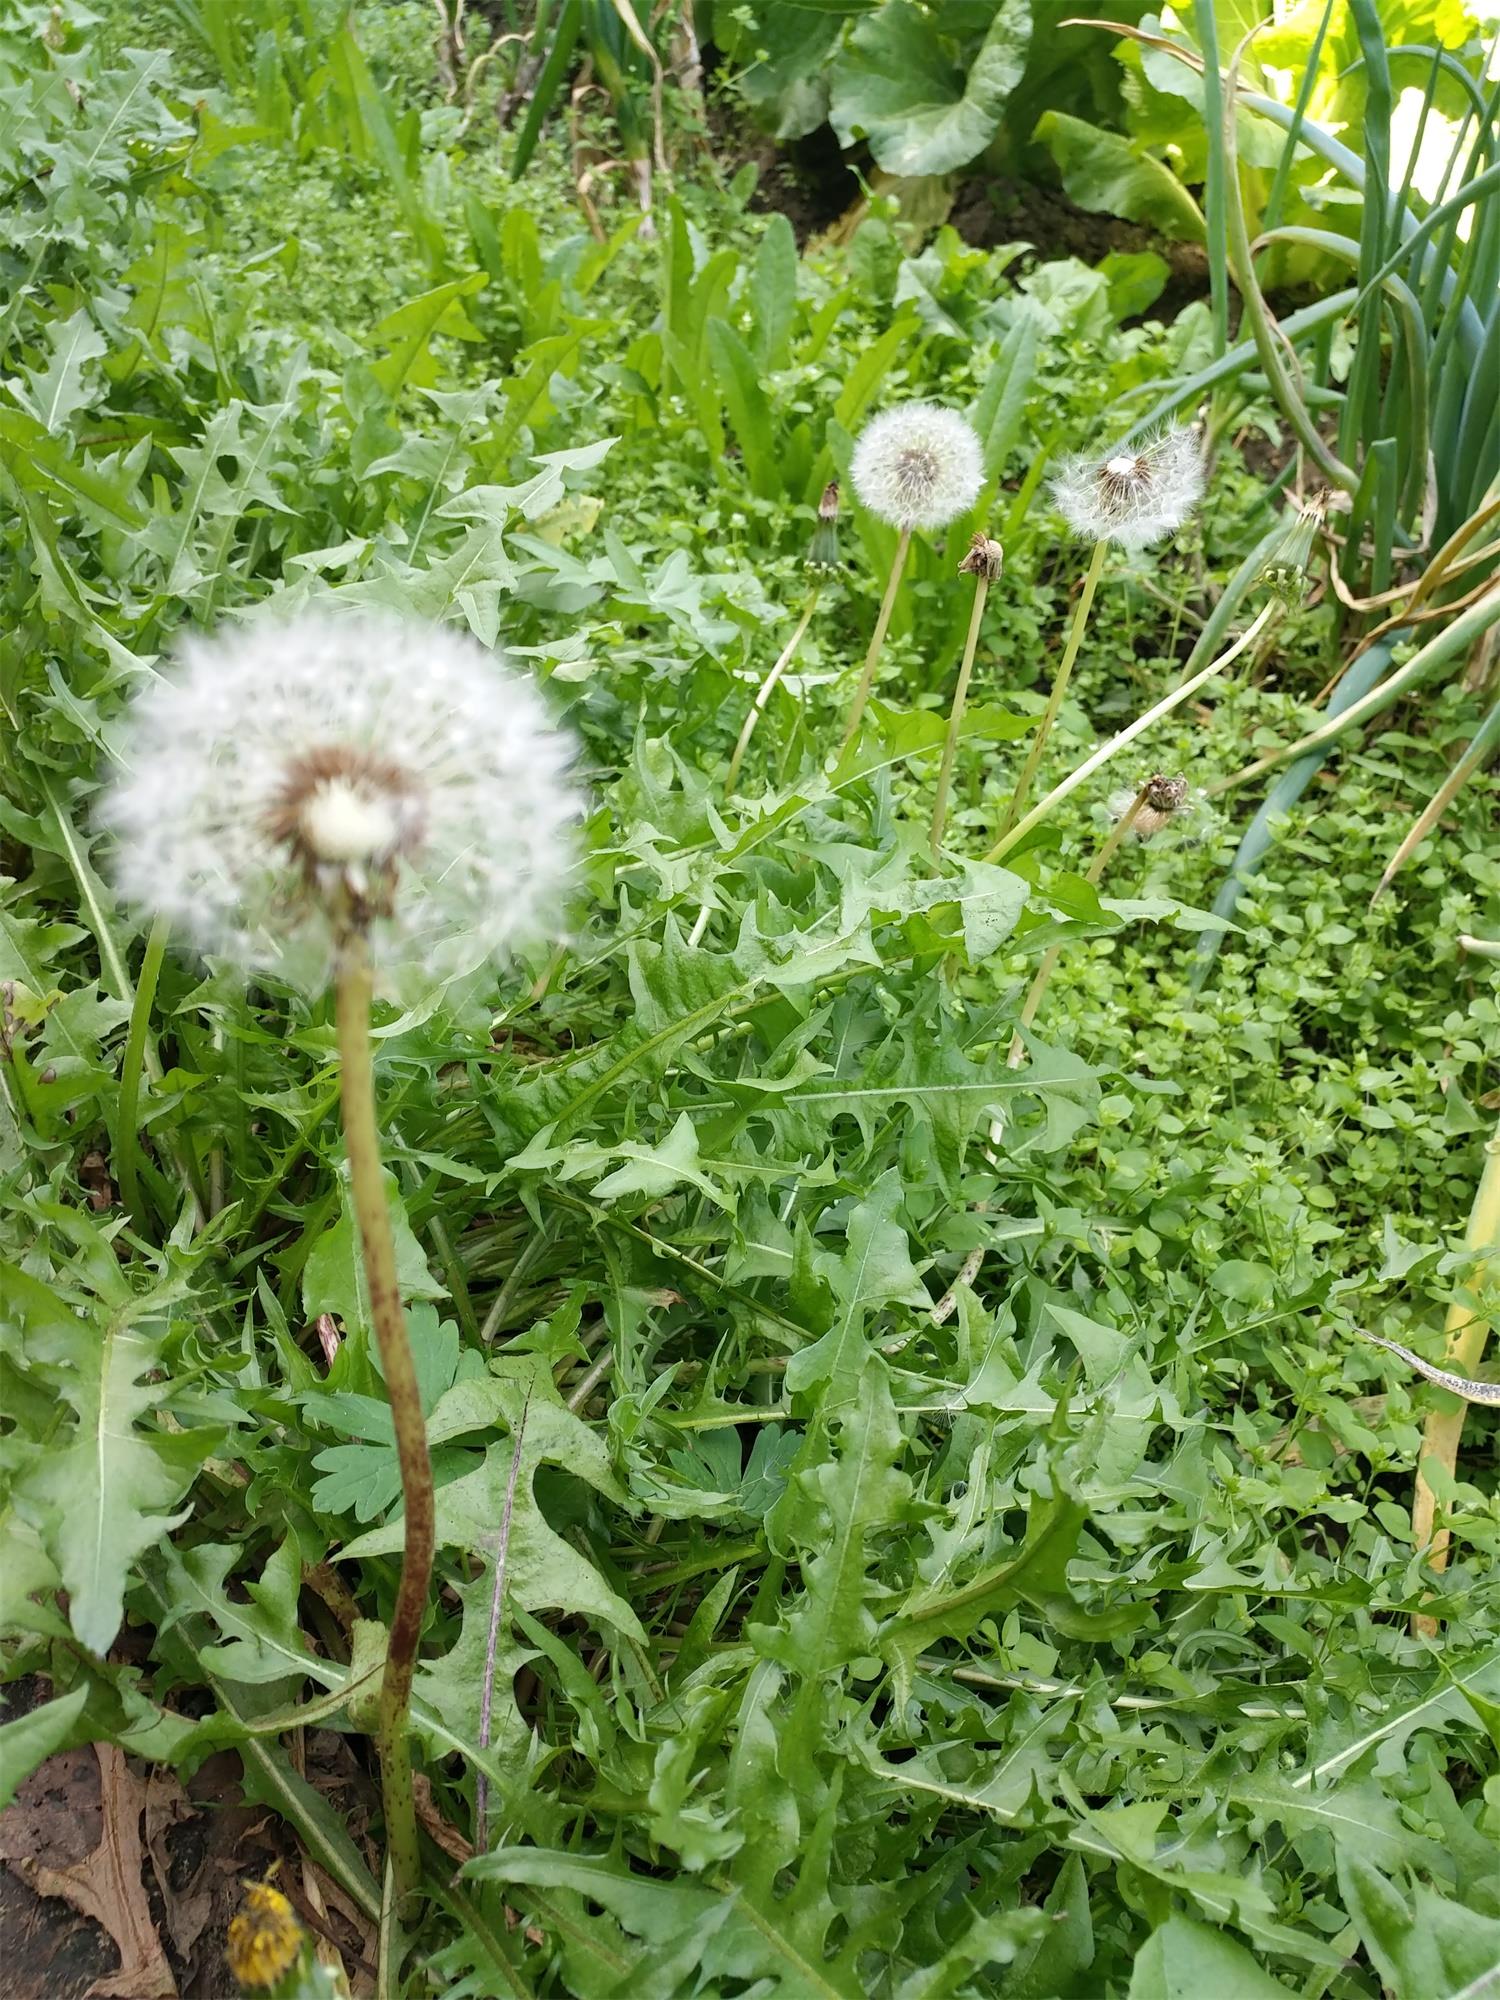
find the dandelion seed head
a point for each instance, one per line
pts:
(918, 466)
(292, 777)
(985, 558)
(1132, 497)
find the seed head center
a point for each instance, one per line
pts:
(916, 471)
(342, 822)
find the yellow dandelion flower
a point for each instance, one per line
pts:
(265, 1939)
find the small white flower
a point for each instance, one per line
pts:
(918, 466)
(298, 775)
(1133, 496)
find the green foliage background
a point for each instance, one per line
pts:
(1058, 1648)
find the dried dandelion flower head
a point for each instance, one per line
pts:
(918, 466)
(1135, 495)
(1285, 572)
(264, 1940)
(1164, 799)
(985, 559)
(823, 555)
(294, 780)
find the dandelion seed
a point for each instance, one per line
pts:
(1134, 496)
(918, 466)
(264, 1940)
(1161, 801)
(295, 778)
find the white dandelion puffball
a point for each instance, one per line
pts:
(328, 771)
(918, 466)
(1135, 495)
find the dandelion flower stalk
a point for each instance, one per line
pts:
(1076, 630)
(866, 685)
(1131, 731)
(353, 990)
(1132, 497)
(1463, 1349)
(916, 466)
(822, 561)
(309, 799)
(1145, 813)
(982, 563)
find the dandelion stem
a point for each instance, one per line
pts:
(1050, 957)
(1463, 1348)
(125, 1153)
(1064, 674)
(877, 641)
(956, 714)
(1131, 731)
(353, 992)
(768, 688)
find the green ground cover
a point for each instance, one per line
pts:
(1057, 1643)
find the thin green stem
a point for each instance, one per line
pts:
(877, 641)
(353, 992)
(768, 688)
(1132, 730)
(1064, 674)
(1044, 971)
(956, 715)
(125, 1153)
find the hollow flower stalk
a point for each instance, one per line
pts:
(1132, 497)
(984, 563)
(309, 798)
(1138, 815)
(822, 563)
(917, 466)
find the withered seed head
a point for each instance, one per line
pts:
(984, 559)
(1165, 798)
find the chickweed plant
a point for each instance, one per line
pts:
(347, 799)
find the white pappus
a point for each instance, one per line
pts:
(1134, 495)
(918, 466)
(292, 776)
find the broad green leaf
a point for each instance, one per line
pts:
(103, 1494)
(411, 329)
(32, 1738)
(875, 1269)
(55, 393)
(1104, 171)
(838, 1505)
(925, 107)
(1185, 1960)
(333, 1278)
(773, 292)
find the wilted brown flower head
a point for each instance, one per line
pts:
(985, 558)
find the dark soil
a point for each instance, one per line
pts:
(988, 210)
(199, 1847)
